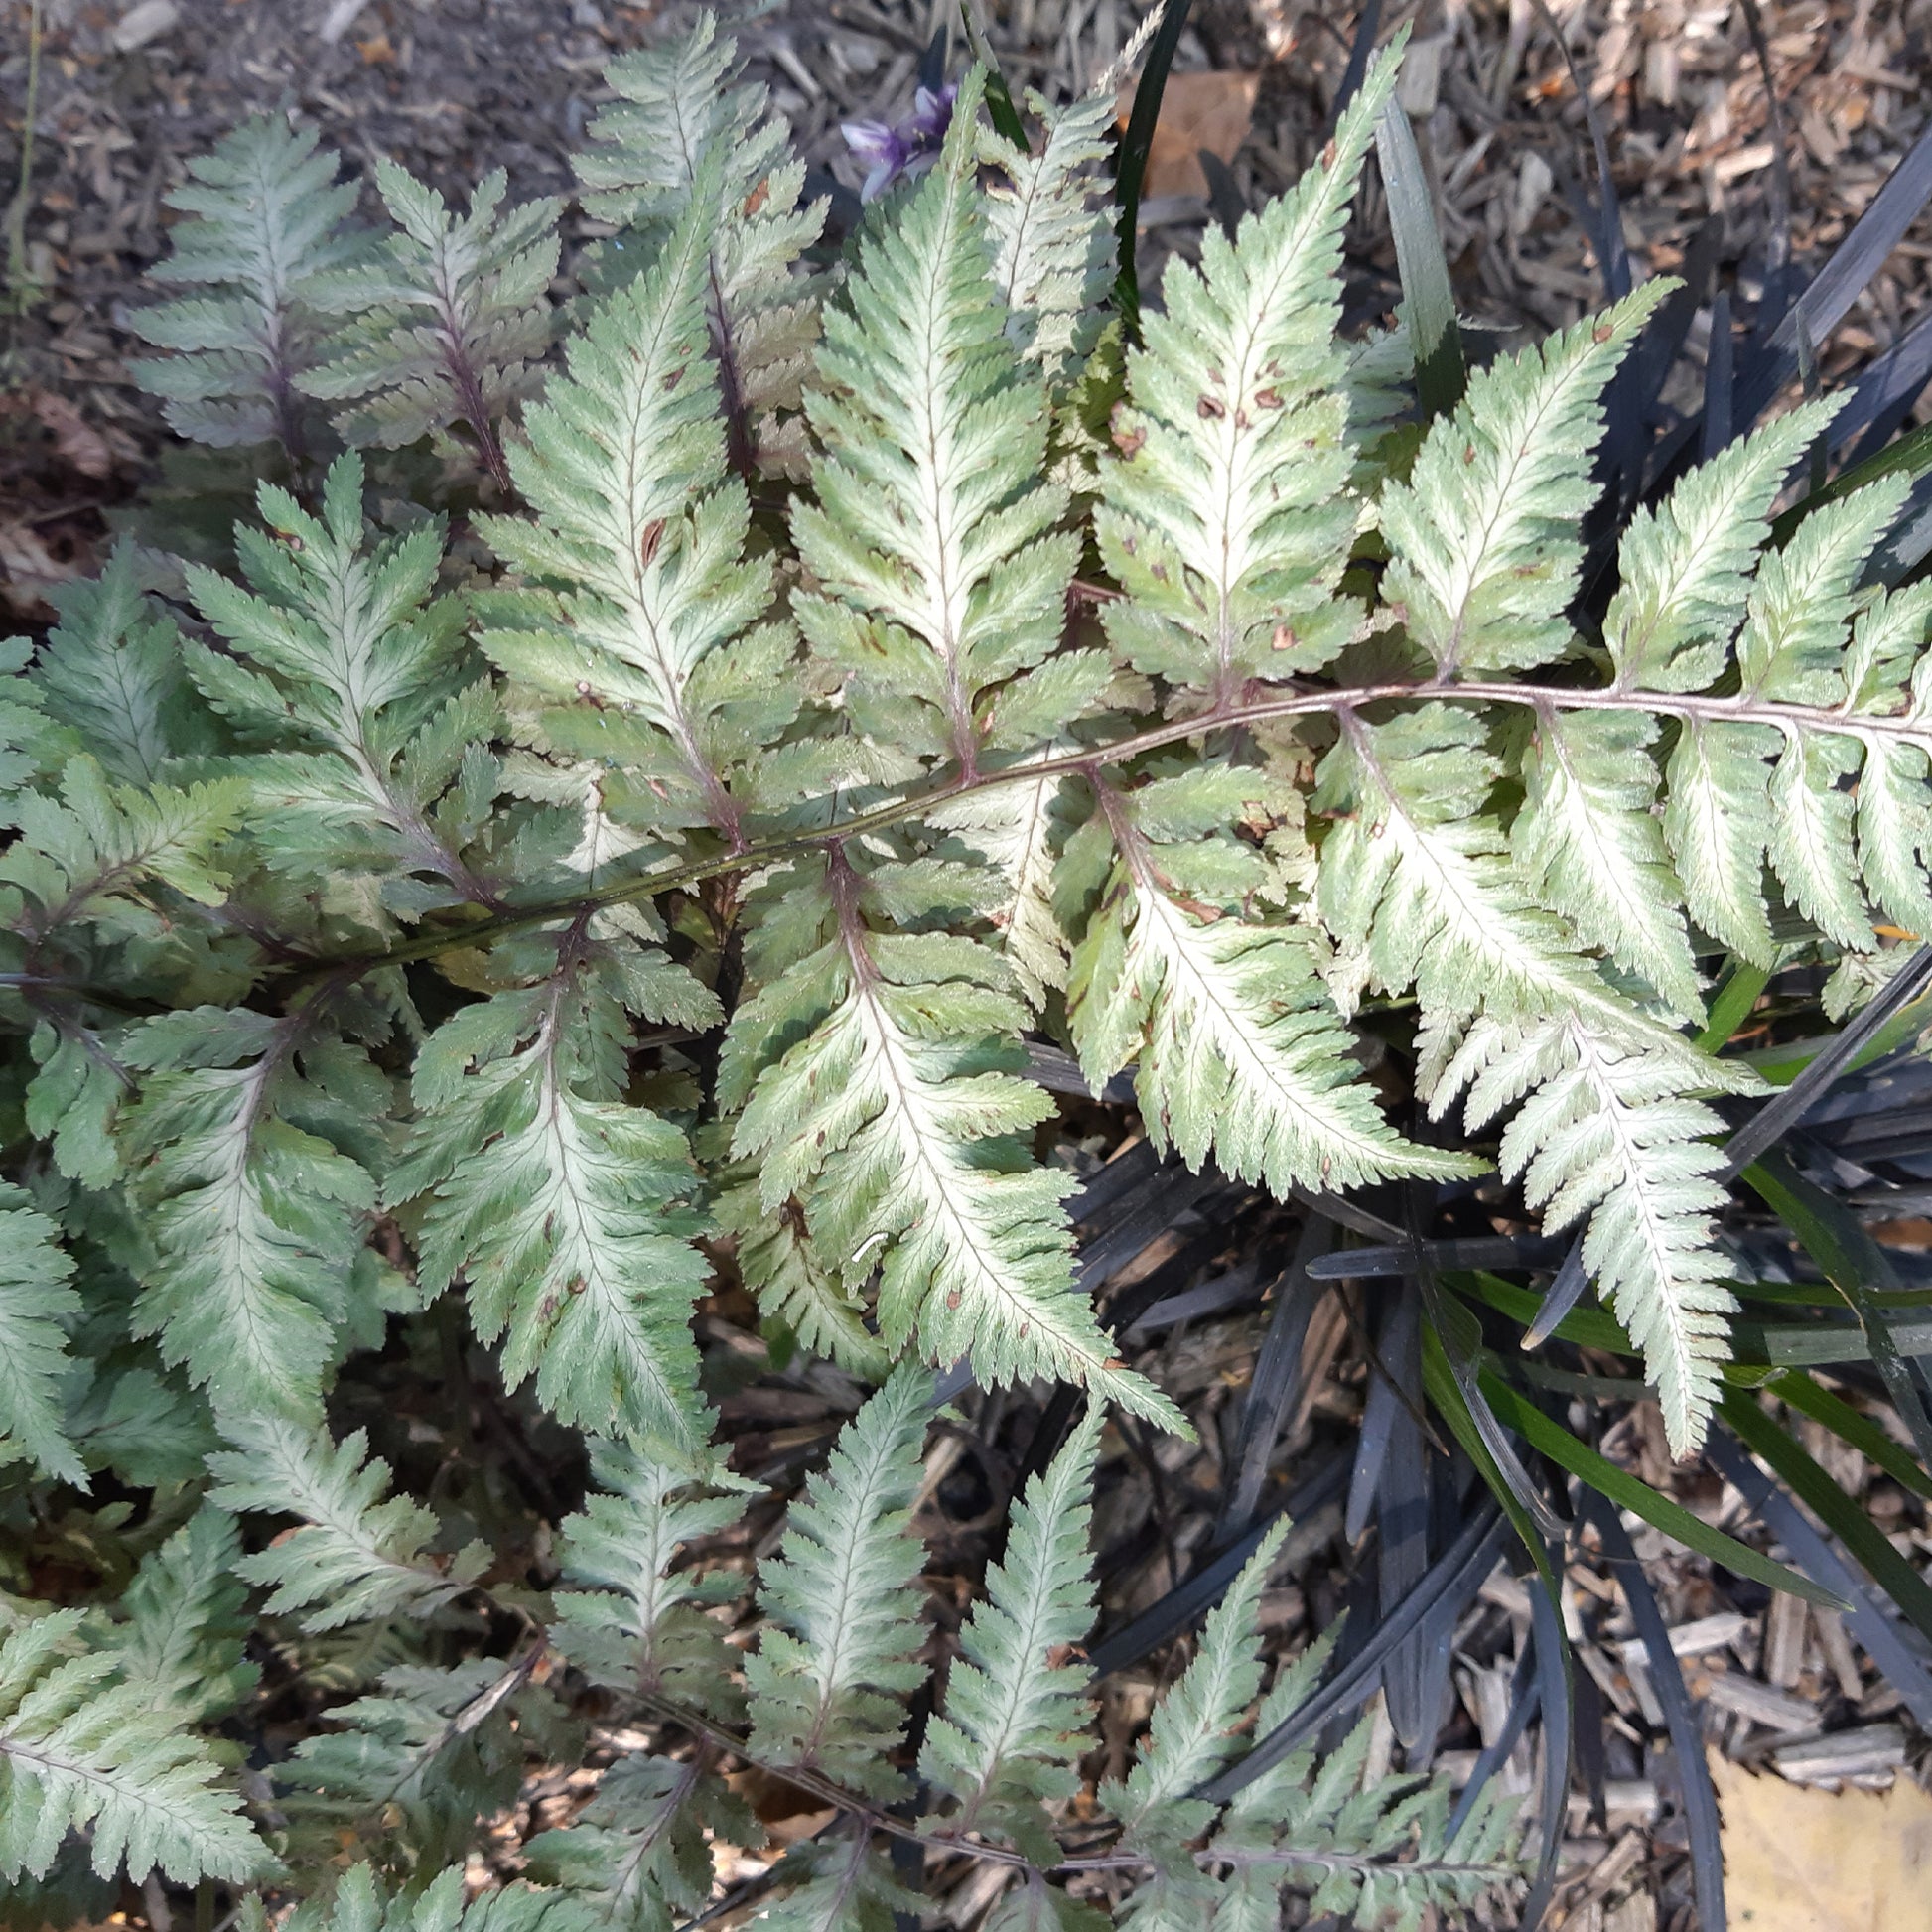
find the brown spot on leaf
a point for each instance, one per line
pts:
(1211, 407)
(648, 540)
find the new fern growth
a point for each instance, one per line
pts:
(868, 678)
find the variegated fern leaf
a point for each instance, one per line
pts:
(490, 959)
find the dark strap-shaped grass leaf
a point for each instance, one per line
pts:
(1855, 260)
(1130, 168)
(1831, 1505)
(1797, 1390)
(1553, 1679)
(1279, 1376)
(1413, 1258)
(1882, 396)
(1597, 1472)
(1187, 1601)
(1368, 30)
(1428, 300)
(1778, 1116)
(1854, 1265)
(1885, 1641)
(1667, 1677)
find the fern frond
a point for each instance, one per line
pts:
(1684, 568)
(1375, 1854)
(110, 672)
(1617, 1133)
(637, 632)
(1483, 547)
(940, 574)
(638, 1857)
(1590, 785)
(81, 1748)
(1052, 249)
(432, 1753)
(36, 1296)
(560, 1202)
(1417, 886)
(340, 648)
(1017, 828)
(1190, 1735)
(1885, 676)
(842, 1885)
(682, 133)
(640, 1624)
(84, 856)
(895, 1115)
(1241, 1052)
(359, 1905)
(794, 1285)
(187, 1621)
(356, 1555)
(1013, 1717)
(269, 222)
(1226, 524)
(258, 1220)
(834, 1662)
(449, 323)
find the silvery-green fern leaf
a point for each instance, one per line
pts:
(1241, 1052)
(1052, 248)
(638, 1856)
(561, 1204)
(1885, 678)
(448, 324)
(1591, 784)
(1684, 568)
(1485, 554)
(680, 133)
(1374, 1853)
(841, 1883)
(1014, 1714)
(359, 1905)
(110, 671)
(269, 222)
(1191, 1732)
(1615, 1132)
(255, 1213)
(85, 854)
(35, 1299)
(876, 1072)
(187, 1621)
(1225, 520)
(426, 1756)
(634, 1622)
(941, 579)
(795, 1286)
(84, 1748)
(835, 1659)
(1017, 828)
(354, 1554)
(637, 629)
(339, 649)
(1417, 884)
(73, 1099)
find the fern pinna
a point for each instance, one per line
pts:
(839, 684)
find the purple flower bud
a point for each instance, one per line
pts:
(891, 149)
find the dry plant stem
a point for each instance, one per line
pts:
(1741, 708)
